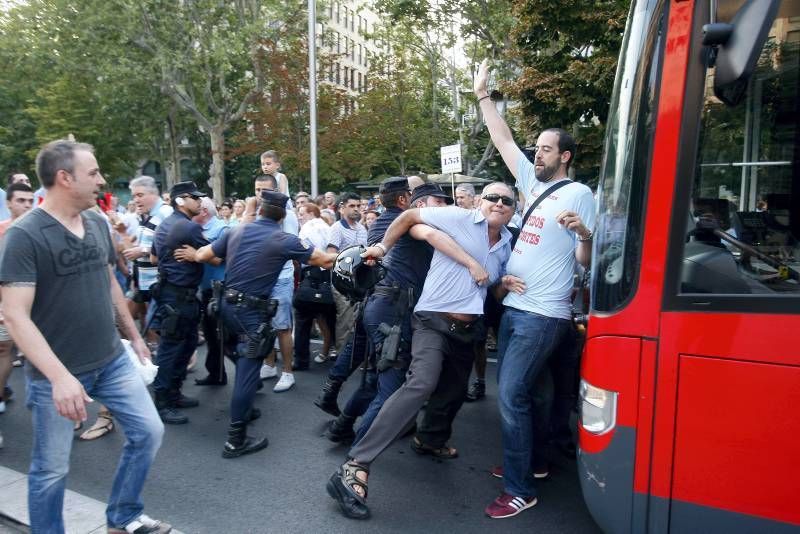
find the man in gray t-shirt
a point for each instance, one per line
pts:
(446, 324)
(60, 301)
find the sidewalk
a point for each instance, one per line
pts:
(82, 515)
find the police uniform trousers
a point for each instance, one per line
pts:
(178, 315)
(380, 385)
(215, 364)
(243, 322)
(440, 346)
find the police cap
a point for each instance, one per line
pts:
(185, 188)
(274, 198)
(430, 190)
(395, 184)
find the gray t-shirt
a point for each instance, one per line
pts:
(72, 307)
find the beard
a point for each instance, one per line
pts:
(547, 173)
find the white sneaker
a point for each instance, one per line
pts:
(285, 383)
(320, 358)
(143, 523)
(267, 371)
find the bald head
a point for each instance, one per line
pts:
(414, 182)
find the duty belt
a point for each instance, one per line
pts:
(243, 299)
(393, 292)
(182, 292)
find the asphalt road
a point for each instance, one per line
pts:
(282, 489)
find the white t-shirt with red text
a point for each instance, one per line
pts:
(544, 255)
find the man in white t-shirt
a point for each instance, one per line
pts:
(537, 316)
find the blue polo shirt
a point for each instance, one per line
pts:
(255, 254)
(408, 261)
(174, 232)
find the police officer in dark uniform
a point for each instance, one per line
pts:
(176, 293)
(395, 194)
(387, 315)
(254, 254)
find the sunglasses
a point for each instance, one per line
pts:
(494, 197)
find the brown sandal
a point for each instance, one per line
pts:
(443, 453)
(101, 427)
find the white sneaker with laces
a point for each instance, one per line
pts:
(268, 371)
(320, 358)
(285, 383)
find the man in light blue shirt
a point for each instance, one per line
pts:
(446, 324)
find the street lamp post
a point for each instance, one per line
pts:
(312, 92)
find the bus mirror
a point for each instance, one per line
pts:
(738, 54)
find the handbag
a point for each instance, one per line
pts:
(315, 287)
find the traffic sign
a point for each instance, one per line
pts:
(451, 159)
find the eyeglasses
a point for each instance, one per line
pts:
(494, 197)
(193, 197)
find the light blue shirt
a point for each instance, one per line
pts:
(4, 213)
(449, 287)
(212, 230)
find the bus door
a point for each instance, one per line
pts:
(728, 384)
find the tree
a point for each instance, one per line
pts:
(208, 53)
(567, 50)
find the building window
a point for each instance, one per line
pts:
(346, 76)
(338, 70)
(359, 83)
(338, 43)
(338, 8)
(345, 17)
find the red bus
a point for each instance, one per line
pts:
(690, 379)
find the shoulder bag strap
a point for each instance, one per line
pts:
(549, 191)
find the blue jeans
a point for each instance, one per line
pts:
(118, 386)
(525, 342)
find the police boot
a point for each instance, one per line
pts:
(341, 430)
(239, 443)
(327, 399)
(167, 411)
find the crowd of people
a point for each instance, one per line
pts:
(404, 286)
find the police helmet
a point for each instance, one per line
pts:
(352, 276)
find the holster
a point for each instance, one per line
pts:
(390, 346)
(259, 345)
(169, 323)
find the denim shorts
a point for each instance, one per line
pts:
(283, 292)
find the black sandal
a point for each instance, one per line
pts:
(342, 487)
(443, 453)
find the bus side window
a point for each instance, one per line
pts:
(745, 215)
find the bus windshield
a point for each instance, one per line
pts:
(629, 135)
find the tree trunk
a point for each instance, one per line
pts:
(217, 171)
(172, 166)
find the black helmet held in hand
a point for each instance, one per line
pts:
(352, 277)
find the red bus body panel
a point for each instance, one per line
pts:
(708, 403)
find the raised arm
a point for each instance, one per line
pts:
(69, 396)
(447, 245)
(498, 129)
